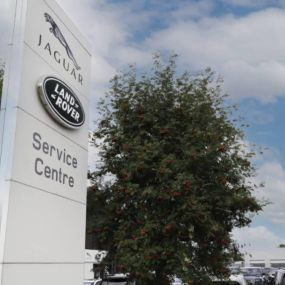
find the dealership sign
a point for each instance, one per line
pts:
(43, 146)
(61, 102)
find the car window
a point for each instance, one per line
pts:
(235, 270)
(251, 271)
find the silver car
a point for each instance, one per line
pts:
(253, 275)
(88, 282)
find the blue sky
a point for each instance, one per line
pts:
(242, 40)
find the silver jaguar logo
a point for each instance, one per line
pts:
(58, 34)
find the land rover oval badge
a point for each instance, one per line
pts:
(61, 102)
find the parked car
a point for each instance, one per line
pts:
(112, 279)
(116, 279)
(92, 282)
(225, 282)
(280, 277)
(237, 279)
(88, 282)
(253, 275)
(177, 281)
(269, 275)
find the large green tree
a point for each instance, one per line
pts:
(174, 179)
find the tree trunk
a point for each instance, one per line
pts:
(160, 278)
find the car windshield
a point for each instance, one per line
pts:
(235, 270)
(266, 270)
(251, 271)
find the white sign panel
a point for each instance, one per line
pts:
(50, 161)
(44, 114)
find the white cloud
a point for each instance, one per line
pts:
(6, 21)
(99, 23)
(264, 80)
(193, 10)
(273, 174)
(109, 27)
(247, 51)
(259, 242)
(102, 70)
(93, 157)
(247, 3)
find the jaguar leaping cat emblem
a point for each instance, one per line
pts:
(57, 33)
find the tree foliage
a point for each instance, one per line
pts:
(177, 176)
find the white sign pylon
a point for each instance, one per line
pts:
(43, 163)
